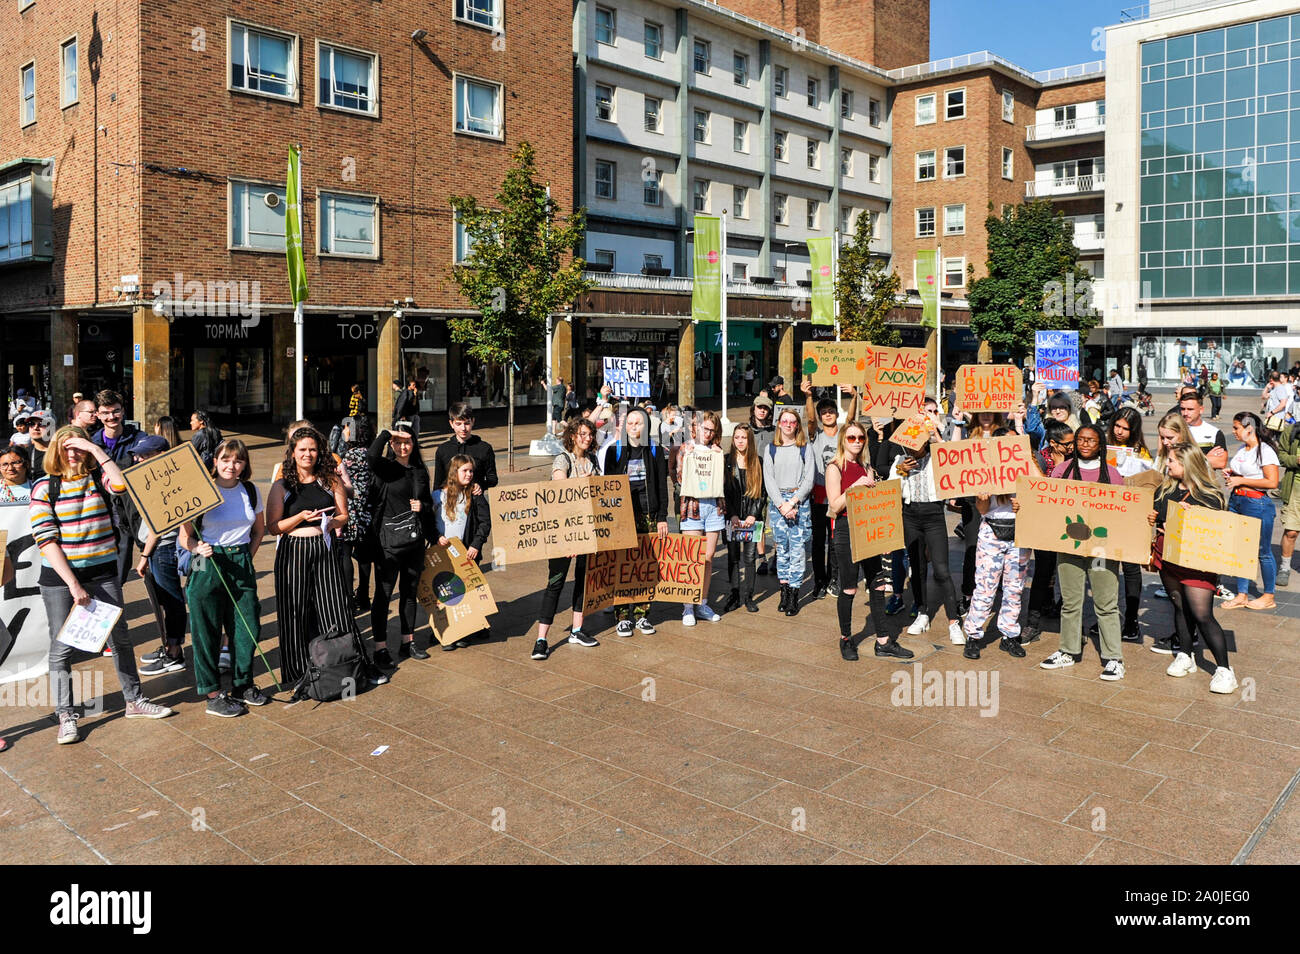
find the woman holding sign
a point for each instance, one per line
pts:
(788, 474)
(646, 467)
(1128, 448)
(747, 505)
(1253, 471)
(459, 512)
(848, 469)
(1189, 483)
(702, 516)
(73, 526)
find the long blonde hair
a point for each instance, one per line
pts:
(1173, 421)
(1196, 473)
(55, 463)
(452, 490)
(842, 451)
(800, 436)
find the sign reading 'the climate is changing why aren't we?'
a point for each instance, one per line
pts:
(875, 519)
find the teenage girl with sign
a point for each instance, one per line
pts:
(705, 517)
(747, 505)
(1131, 458)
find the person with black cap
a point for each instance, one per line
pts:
(776, 388)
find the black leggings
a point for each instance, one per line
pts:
(360, 573)
(741, 555)
(848, 580)
(1132, 593)
(1043, 585)
(970, 518)
(823, 550)
(387, 573)
(1195, 604)
(557, 568)
(924, 528)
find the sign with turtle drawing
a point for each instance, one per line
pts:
(1085, 518)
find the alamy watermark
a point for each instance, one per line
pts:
(976, 688)
(211, 299)
(85, 687)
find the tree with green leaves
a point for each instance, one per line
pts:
(866, 291)
(522, 266)
(1034, 281)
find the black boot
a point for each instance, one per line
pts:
(733, 602)
(785, 599)
(793, 608)
(748, 594)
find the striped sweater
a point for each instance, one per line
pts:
(79, 522)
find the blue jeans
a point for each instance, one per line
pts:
(1262, 508)
(791, 537)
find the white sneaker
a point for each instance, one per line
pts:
(688, 617)
(1058, 660)
(920, 625)
(1113, 671)
(1223, 681)
(955, 634)
(67, 729)
(1183, 665)
(705, 612)
(1159, 592)
(1223, 593)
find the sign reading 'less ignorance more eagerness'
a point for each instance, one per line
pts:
(172, 488)
(669, 568)
(989, 387)
(981, 466)
(554, 518)
(1084, 517)
(627, 377)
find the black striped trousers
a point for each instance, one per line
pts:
(311, 596)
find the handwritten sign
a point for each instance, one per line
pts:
(87, 627)
(989, 387)
(745, 534)
(702, 473)
(553, 518)
(668, 568)
(172, 488)
(1215, 540)
(454, 591)
(981, 466)
(913, 433)
(24, 629)
(875, 519)
(627, 377)
(835, 362)
(894, 382)
(1056, 358)
(1085, 518)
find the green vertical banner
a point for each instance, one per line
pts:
(293, 230)
(706, 289)
(927, 280)
(821, 254)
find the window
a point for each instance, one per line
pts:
(740, 136)
(701, 125)
(780, 81)
(954, 220)
(652, 186)
(604, 257)
(349, 225)
(702, 56)
(739, 272)
(347, 79)
(654, 40)
(846, 219)
(263, 62)
(605, 175)
(814, 92)
(873, 168)
(873, 112)
(478, 107)
(924, 223)
(1064, 117)
(700, 194)
(779, 207)
(954, 104)
(925, 109)
(1008, 106)
(484, 13)
(814, 153)
(605, 26)
(461, 245)
(814, 214)
(740, 68)
(257, 216)
(653, 114)
(740, 201)
(16, 239)
(27, 87)
(649, 262)
(69, 66)
(846, 162)
(954, 162)
(1007, 159)
(605, 102)
(846, 103)
(779, 141)
(925, 165)
(954, 272)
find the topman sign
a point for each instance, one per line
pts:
(210, 299)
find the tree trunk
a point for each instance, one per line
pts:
(510, 418)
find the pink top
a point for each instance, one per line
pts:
(1086, 473)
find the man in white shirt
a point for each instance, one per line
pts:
(1208, 437)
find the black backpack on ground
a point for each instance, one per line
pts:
(336, 667)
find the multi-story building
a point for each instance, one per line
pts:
(146, 151)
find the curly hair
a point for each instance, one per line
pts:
(324, 471)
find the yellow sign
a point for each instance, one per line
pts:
(1217, 541)
(989, 387)
(172, 488)
(835, 362)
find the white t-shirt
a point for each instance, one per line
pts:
(231, 524)
(1207, 436)
(1246, 463)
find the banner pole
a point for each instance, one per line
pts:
(723, 280)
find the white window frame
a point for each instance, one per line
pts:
(814, 153)
(655, 178)
(658, 43)
(846, 161)
(1008, 163)
(920, 232)
(781, 145)
(323, 216)
(740, 68)
(779, 273)
(947, 230)
(264, 187)
(613, 25)
(934, 165)
(946, 164)
(613, 257)
(613, 179)
(65, 101)
(946, 108)
(813, 215)
(460, 244)
(295, 67)
(499, 119)
(874, 165)
(23, 121)
(933, 99)
(743, 269)
(846, 220)
(321, 47)
(814, 93)
(944, 272)
(658, 114)
(780, 208)
(700, 195)
(697, 126)
(740, 201)
(875, 113)
(740, 136)
(1008, 106)
(781, 81)
(696, 46)
(609, 117)
(846, 104)
(461, 10)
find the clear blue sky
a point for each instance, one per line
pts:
(1033, 34)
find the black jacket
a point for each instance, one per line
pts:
(404, 406)
(738, 504)
(477, 450)
(478, 523)
(393, 486)
(656, 478)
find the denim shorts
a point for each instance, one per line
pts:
(709, 521)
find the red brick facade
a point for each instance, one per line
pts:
(884, 33)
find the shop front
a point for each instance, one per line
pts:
(222, 366)
(25, 358)
(658, 345)
(1242, 360)
(340, 352)
(744, 374)
(104, 359)
(425, 344)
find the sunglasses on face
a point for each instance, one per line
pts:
(854, 439)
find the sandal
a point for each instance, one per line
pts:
(1258, 604)
(1237, 602)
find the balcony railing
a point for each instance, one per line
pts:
(1164, 8)
(1089, 241)
(1089, 125)
(987, 58)
(1071, 185)
(680, 284)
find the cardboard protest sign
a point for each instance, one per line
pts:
(835, 362)
(894, 382)
(1215, 540)
(553, 518)
(702, 473)
(1056, 358)
(981, 465)
(989, 387)
(668, 568)
(87, 627)
(24, 629)
(172, 488)
(746, 534)
(1085, 518)
(875, 519)
(913, 433)
(627, 377)
(454, 591)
